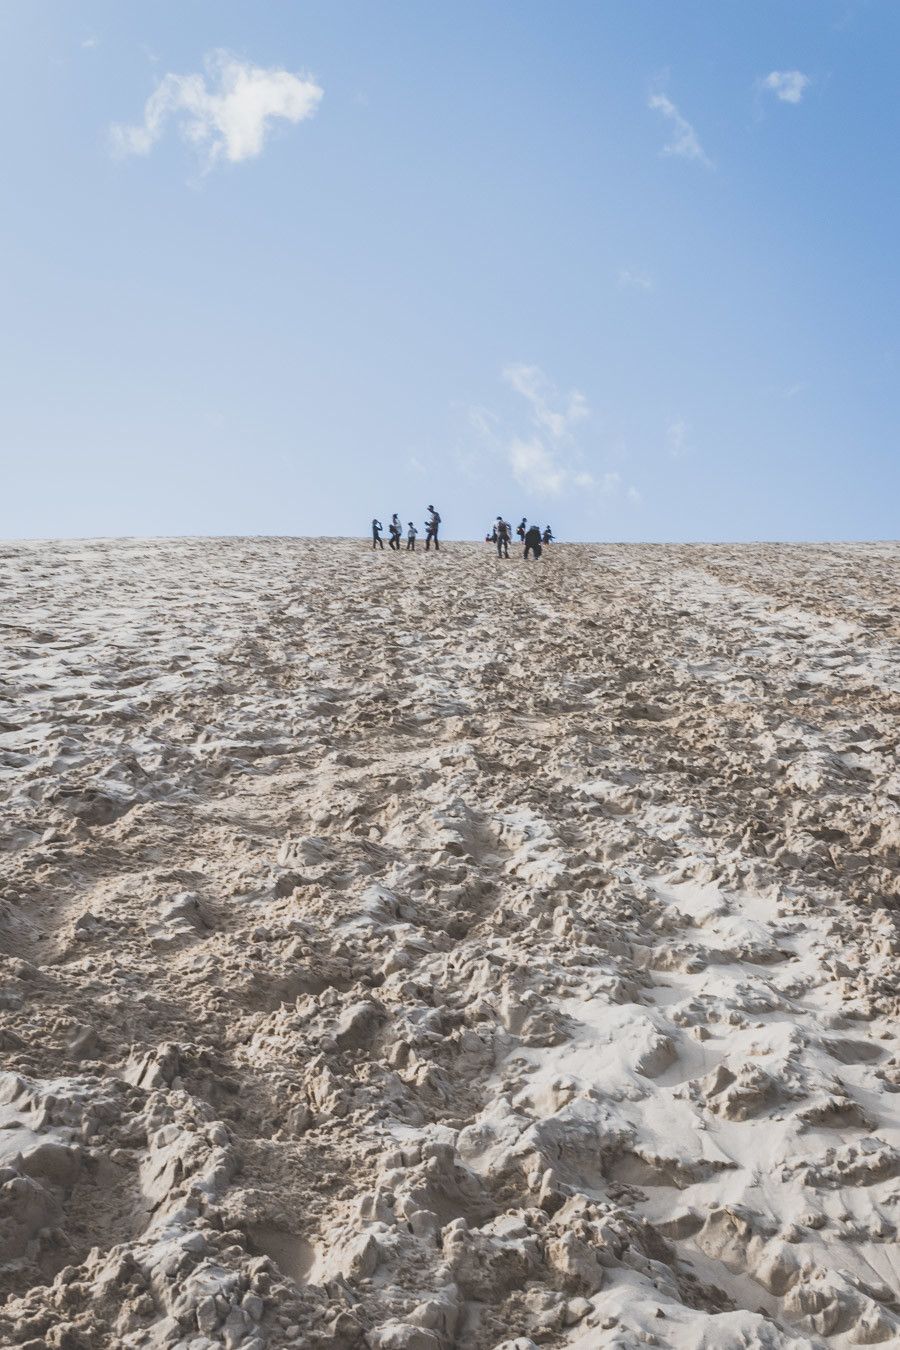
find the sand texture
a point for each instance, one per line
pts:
(416, 952)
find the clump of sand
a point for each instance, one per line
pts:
(428, 952)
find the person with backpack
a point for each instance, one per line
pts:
(431, 529)
(396, 529)
(547, 536)
(520, 528)
(377, 540)
(411, 533)
(504, 534)
(533, 541)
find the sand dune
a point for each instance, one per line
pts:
(432, 951)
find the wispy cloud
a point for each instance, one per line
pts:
(546, 462)
(685, 142)
(545, 457)
(225, 113)
(538, 467)
(532, 384)
(633, 279)
(787, 85)
(90, 42)
(677, 438)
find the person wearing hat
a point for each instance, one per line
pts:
(377, 527)
(504, 533)
(411, 533)
(431, 528)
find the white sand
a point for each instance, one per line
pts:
(431, 951)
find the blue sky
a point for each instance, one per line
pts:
(273, 268)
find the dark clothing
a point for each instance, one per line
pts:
(377, 541)
(533, 541)
(396, 530)
(431, 530)
(547, 536)
(520, 529)
(502, 530)
(411, 543)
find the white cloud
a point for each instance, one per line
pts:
(787, 85)
(545, 457)
(685, 142)
(532, 384)
(90, 42)
(537, 467)
(224, 114)
(634, 496)
(631, 279)
(677, 438)
(547, 461)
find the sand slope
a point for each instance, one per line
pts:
(429, 951)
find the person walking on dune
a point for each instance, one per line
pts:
(533, 541)
(520, 528)
(377, 540)
(504, 534)
(431, 528)
(547, 536)
(411, 533)
(396, 530)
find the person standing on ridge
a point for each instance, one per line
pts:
(431, 528)
(533, 541)
(520, 528)
(504, 534)
(411, 533)
(547, 536)
(396, 530)
(377, 540)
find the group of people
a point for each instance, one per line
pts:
(532, 536)
(395, 530)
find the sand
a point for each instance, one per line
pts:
(415, 952)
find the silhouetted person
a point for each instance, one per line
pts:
(504, 534)
(377, 540)
(431, 528)
(547, 536)
(520, 528)
(396, 530)
(411, 533)
(533, 541)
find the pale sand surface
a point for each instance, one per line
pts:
(431, 951)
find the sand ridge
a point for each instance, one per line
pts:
(419, 952)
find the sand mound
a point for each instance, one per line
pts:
(417, 952)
